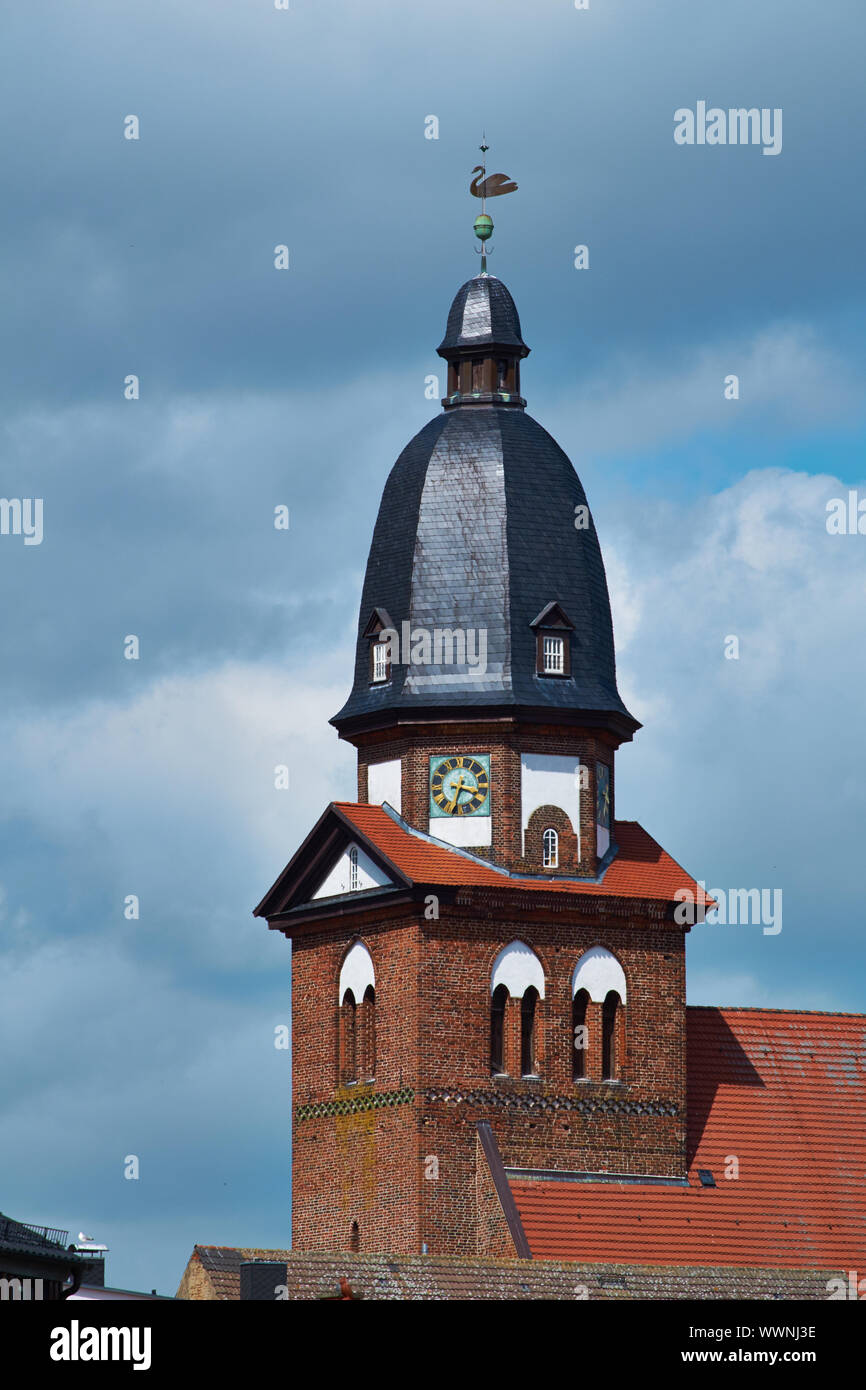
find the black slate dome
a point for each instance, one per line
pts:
(476, 531)
(482, 313)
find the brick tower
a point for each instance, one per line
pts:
(488, 972)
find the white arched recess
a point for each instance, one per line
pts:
(517, 967)
(357, 972)
(598, 972)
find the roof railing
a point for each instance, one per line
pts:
(10, 1228)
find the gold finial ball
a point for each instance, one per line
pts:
(483, 227)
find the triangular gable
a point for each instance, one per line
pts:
(320, 857)
(553, 616)
(378, 621)
(352, 871)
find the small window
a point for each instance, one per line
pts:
(354, 1238)
(497, 1030)
(353, 869)
(348, 1039)
(478, 374)
(550, 849)
(580, 1035)
(609, 1059)
(367, 1035)
(381, 665)
(502, 375)
(527, 1032)
(553, 656)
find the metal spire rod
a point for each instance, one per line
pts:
(486, 186)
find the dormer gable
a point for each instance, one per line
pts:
(552, 617)
(378, 621)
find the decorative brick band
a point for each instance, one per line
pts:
(354, 1105)
(583, 1106)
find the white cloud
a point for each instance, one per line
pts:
(787, 376)
(751, 772)
(170, 795)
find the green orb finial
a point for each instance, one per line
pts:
(485, 186)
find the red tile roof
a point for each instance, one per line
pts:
(785, 1093)
(641, 868)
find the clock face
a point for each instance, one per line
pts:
(602, 786)
(460, 785)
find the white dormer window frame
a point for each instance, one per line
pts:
(379, 632)
(550, 849)
(353, 869)
(553, 634)
(381, 666)
(553, 655)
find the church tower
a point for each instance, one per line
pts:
(488, 972)
(484, 706)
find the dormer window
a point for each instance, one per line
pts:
(353, 869)
(553, 656)
(380, 632)
(381, 665)
(553, 636)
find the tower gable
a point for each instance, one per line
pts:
(353, 871)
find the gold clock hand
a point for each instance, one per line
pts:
(457, 791)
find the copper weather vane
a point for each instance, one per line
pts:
(485, 186)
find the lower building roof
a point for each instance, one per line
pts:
(323, 1274)
(777, 1117)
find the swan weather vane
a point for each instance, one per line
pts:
(485, 186)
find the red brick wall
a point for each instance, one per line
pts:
(359, 1166)
(492, 1236)
(505, 745)
(433, 1037)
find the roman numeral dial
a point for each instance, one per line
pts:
(460, 785)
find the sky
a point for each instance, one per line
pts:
(259, 387)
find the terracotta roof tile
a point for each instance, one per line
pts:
(641, 869)
(783, 1092)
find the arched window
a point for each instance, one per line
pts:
(348, 1038)
(355, 1238)
(599, 976)
(527, 1031)
(367, 1035)
(517, 975)
(609, 1059)
(579, 1033)
(550, 846)
(353, 869)
(598, 972)
(497, 1029)
(357, 1019)
(517, 967)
